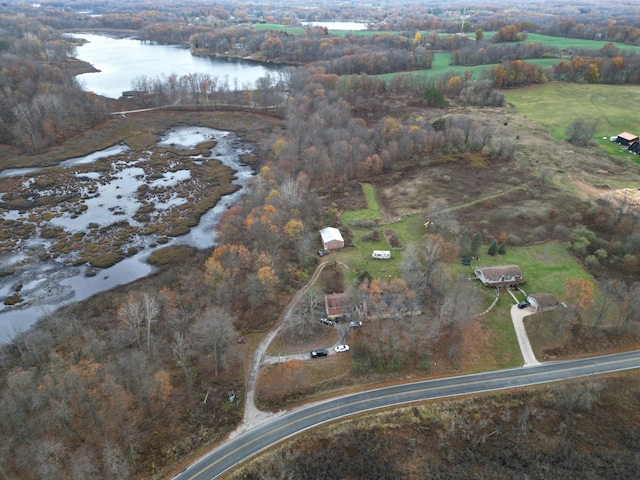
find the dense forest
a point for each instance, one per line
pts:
(129, 384)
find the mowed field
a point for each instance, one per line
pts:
(556, 105)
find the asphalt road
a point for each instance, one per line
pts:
(248, 444)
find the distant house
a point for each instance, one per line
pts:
(543, 302)
(634, 147)
(331, 238)
(499, 275)
(625, 138)
(337, 305)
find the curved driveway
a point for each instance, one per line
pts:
(270, 433)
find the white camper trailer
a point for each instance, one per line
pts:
(381, 254)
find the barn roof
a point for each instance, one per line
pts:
(330, 233)
(627, 136)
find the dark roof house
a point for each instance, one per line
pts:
(635, 147)
(337, 305)
(499, 275)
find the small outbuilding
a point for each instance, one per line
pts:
(543, 302)
(384, 254)
(331, 238)
(625, 138)
(499, 275)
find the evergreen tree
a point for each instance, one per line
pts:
(493, 248)
(434, 98)
(465, 249)
(476, 244)
(502, 249)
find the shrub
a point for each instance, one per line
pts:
(591, 262)
(372, 236)
(562, 233)
(514, 240)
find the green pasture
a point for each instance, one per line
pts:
(556, 105)
(564, 43)
(441, 66)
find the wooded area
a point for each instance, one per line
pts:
(133, 382)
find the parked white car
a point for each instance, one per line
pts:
(342, 348)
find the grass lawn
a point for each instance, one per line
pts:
(545, 267)
(371, 212)
(359, 258)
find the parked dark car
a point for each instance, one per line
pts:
(322, 253)
(466, 261)
(524, 304)
(321, 352)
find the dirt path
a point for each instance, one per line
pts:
(252, 415)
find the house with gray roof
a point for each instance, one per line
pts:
(499, 275)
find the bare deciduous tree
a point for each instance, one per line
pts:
(213, 333)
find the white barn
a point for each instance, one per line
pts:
(331, 238)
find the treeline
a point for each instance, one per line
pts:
(325, 141)
(374, 54)
(41, 103)
(202, 90)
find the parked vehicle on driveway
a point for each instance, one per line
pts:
(320, 352)
(326, 321)
(524, 304)
(355, 324)
(342, 348)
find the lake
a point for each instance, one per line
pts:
(122, 60)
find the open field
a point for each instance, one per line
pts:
(556, 105)
(441, 65)
(576, 43)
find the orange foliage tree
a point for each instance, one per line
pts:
(579, 292)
